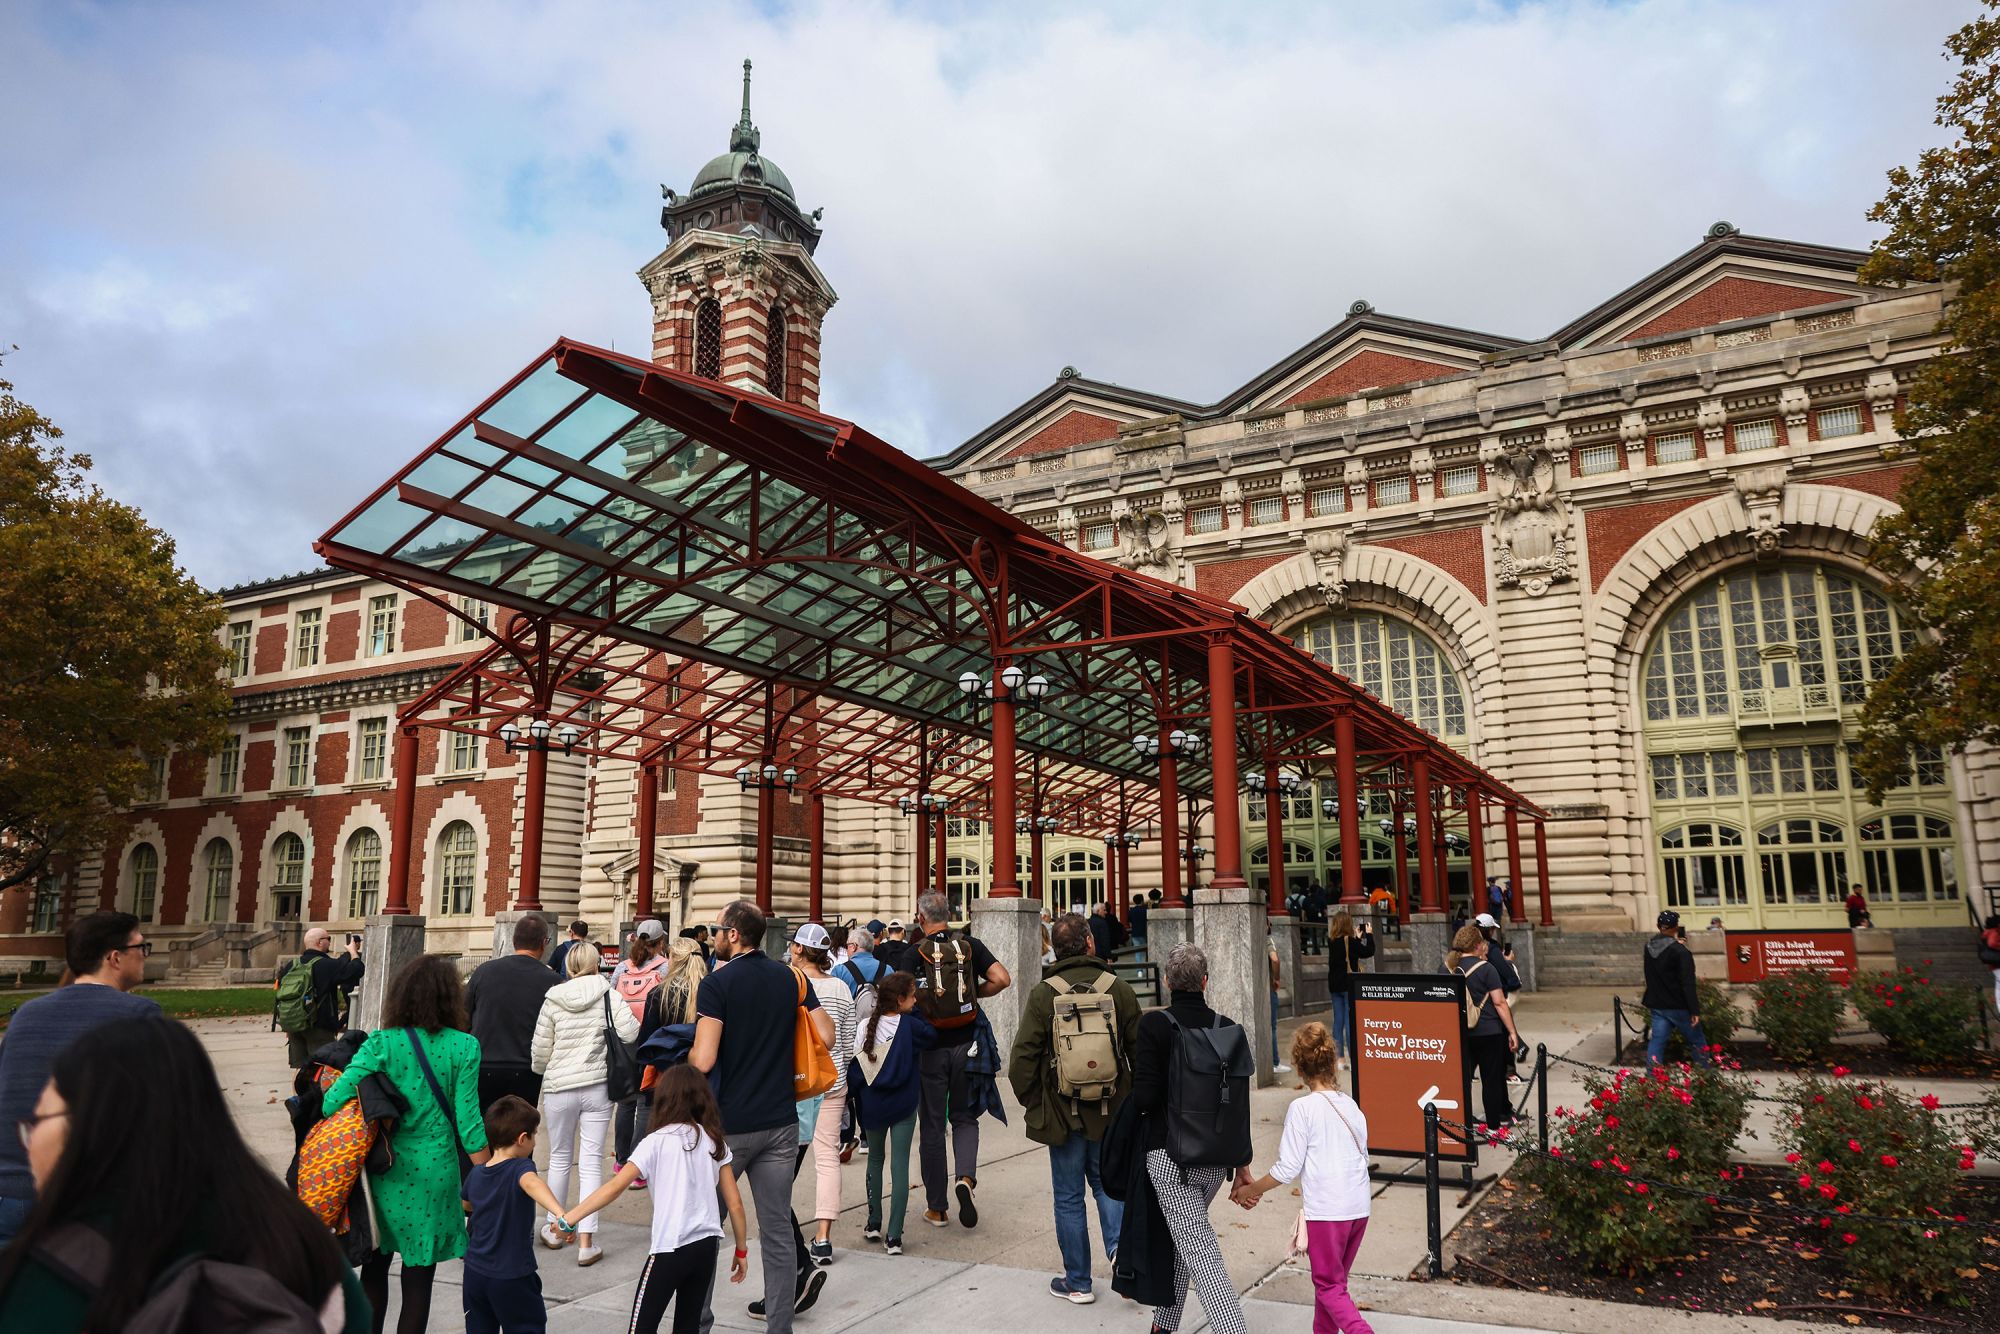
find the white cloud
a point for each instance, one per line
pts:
(267, 254)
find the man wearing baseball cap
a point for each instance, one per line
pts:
(1670, 992)
(1498, 953)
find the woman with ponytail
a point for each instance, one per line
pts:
(883, 1082)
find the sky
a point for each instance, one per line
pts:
(258, 255)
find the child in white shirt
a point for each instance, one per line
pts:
(685, 1162)
(1325, 1149)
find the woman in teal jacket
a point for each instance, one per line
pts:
(417, 1211)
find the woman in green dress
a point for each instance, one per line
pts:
(417, 1211)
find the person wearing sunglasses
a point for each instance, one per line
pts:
(106, 953)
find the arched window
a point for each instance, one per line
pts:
(1301, 865)
(364, 872)
(708, 339)
(1908, 858)
(145, 864)
(1802, 861)
(964, 881)
(1076, 881)
(1704, 865)
(458, 867)
(1396, 661)
(774, 352)
(288, 881)
(219, 876)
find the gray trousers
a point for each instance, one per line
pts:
(765, 1161)
(943, 1092)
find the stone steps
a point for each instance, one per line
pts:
(1952, 952)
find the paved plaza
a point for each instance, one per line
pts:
(995, 1277)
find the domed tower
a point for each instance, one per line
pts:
(736, 295)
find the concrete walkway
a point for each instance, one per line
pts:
(996, 1276)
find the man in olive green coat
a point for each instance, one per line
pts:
(1072, 1130)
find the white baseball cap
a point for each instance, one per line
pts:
(650, 929)
(895, 924)
(813, 936)
(1486, 919)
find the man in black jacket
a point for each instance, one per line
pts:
(333, 981)
(1670, 992)
(503, 998)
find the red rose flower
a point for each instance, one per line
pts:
(1889, 1160)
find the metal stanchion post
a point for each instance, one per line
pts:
(1617, 1031)
(1433, 1224)
(1542, 1094)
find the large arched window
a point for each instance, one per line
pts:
(1396, 661)
(364, 872)
(145, 874)
(1909, 858)
(1076, 881)
(1802, 862)
(774, 352)
(458, 867)
(708, 339)
(288, 878)
(219, 879)
(1704, 865)
(964, 881)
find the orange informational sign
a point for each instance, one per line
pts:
(1756, 955)
(1409, 1050)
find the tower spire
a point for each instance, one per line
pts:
(744, 138)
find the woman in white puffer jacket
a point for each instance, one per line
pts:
(568, 1053)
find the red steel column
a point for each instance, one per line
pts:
(1514, 859)
(767, 802)
(1035, 861)
(939, 882)
(649, 825)
(816, 869)
(1542, 872)
(923, 849)
(533, 800)
(1402, 848)
(1006, 875)
(1170, 828)
(1347, 790)
(1274, 839)
(1427, 867)
(1475, 816)
(1228, 782)
(402, 824)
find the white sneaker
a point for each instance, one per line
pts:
(589, 1256)
(552, 1237)
(1281, 1069)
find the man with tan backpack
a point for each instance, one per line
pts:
(1071, 1066)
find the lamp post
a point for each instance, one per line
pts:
(1010, 686)
(1034, 826)
(1168, 747)
(925, 806)
(534, 795)
(766, 777)
(1276, 787)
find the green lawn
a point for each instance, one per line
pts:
(178, 1002)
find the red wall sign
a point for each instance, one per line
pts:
(1756, 955)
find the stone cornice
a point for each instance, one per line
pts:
(330, 696)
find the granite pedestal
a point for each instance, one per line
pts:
(387, 944)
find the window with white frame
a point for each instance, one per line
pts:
(1673, 447)
(305, 638)
(381, 625)
(464, 751)
(229, 765)
(48, 906)
(288, 880)
(1326, 500)
(373, 765)
(1756, 435)
(1594, 459)
(1267, 509)
(364, 872)
(298, 757)
(1836, 422)
(219, 880)
(239, 648)
(1460, 479)
(1205, 519)
(1098, 536)
(156, 779)
(145, 869)
(474, 625)
(1392, 490)
(458, 867)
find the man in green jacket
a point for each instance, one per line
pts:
(1073, 1126)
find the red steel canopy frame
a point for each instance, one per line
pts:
(703, 578)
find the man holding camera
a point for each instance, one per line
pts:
(310, 1008)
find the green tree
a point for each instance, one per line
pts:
(1943, 217)
(108, 651)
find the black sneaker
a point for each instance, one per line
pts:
(893, 1246)
(873, 1232)
(968, 1213)
(821, 1252)
(809, 1293)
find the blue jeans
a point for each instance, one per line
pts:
(1275, 1058)
(1676, 1020)
(1341, 1020)
(13, 1212)
(1072, 1164)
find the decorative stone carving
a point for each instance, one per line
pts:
(1066, 524)
(1794, 403)
(1531, 522)
(1632, 430)
(1838, 319)
(1328, 548)
(750, 258)
(1232, 503)
(1292, 481)
(1327, 413)
(1881, 396)
(1680, 347)
(1713, 419)
(1762, 491)
(1422, 467)
(1739, 337)
(1149, 541)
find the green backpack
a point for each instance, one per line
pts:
(295, 1005)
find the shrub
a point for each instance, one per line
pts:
(1918, 1020)
(1675, 1125)
(1799, 1013)
(1718, 1020)
(1864, 1149)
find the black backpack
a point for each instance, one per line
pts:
(1208, 1095)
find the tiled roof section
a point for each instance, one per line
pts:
(237, 592)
